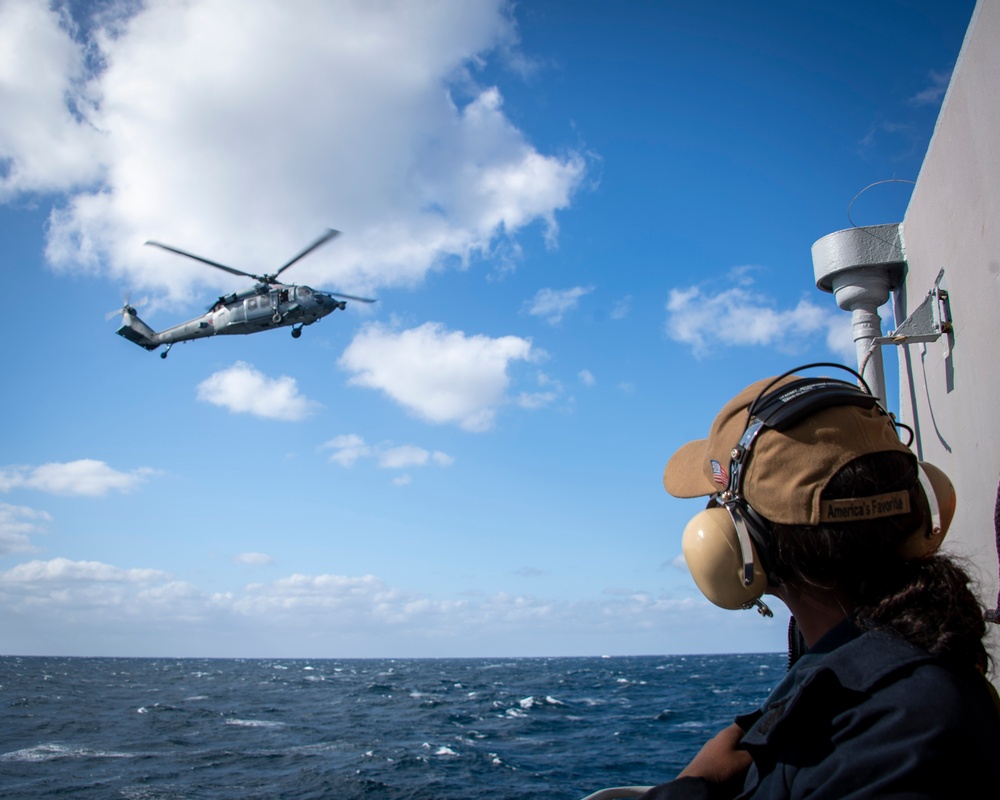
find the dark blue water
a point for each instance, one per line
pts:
(171, 729)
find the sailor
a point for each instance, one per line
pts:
(817, 502)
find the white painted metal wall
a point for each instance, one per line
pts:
(950, 389)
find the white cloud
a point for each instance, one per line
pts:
(45, 143)
(411, 456)
(17, 523)
(253, 559)
(586, 377)
(550, 392)
(442, 376)
(245, 390)
(239, 129)
(536, 400)
(349, 448)
(329, 601)
(89, 607)
(403, 457)
(742, 316)
(62, 573)
(554, 304)
(85, 477)
(66, 596)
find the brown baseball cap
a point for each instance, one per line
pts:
(787, 470)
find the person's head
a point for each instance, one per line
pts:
(811, 489)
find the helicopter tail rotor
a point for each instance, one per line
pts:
(128, 307)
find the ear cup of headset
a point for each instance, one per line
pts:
(941, 500)
(712, 551)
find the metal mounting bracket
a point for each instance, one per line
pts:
(928, 322)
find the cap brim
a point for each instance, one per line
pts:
(684, 475)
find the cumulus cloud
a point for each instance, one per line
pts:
(90, 606)
(554, 304)
(245, 390)
(441, 376)
(65, 594)
(349, 448)
(17, 524)
(586, 377)
(329, 600)
(62, 572)
(743, 316)
(46, 142)
(85, 477)
(238, 129)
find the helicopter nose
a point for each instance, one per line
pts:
(329, 300)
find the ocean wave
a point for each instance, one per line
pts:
(51, 752)
(263, 731)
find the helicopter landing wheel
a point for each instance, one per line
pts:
(163, 354)
(296, 333)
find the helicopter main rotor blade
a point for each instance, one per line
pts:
(230, 270)
(351, 297)
(330, 234)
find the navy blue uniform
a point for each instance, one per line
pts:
(867, 715)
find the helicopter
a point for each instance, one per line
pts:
(269, 304)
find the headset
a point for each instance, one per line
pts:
(727, 545)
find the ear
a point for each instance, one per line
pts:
(941, 501)
(712, 551)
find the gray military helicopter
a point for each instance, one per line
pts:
(267, 305)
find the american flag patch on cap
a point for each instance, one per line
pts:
(719, 474)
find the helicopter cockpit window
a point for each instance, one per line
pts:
(303, 291)
(252, 302)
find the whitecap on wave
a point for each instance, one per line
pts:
(443, 750)
(536, 702)
(254, 723)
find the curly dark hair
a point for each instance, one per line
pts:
(927, 601)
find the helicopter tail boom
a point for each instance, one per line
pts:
(135, 330)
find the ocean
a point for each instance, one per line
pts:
(419, 729)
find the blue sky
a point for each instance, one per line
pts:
(587, 225)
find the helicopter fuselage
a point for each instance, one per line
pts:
(249, 311)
